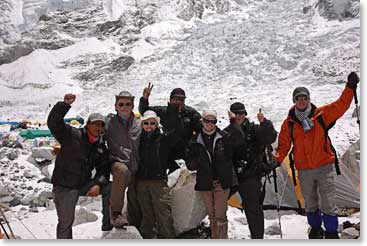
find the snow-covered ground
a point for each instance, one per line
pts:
(42, 225)
(254, 51)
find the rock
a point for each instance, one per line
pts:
(33, 210)
(14, 177)
(95, 205)
(84, 200)
(4, 191)
(349, 233)
(28, 174)
(30, 188)
(128, 232)
(26, 200)
(12, 154)
(188, 209)
(44, 152)
(6, 199)
(22, 167)
(272, 229)
(47, 170)
(23, 186)
(82, 216)
(14, 202)
(42, 199)
(51, 205)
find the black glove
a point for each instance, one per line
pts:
(353, 80)
(172, 108)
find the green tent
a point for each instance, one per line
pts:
(31, 134)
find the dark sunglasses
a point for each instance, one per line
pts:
(178, 98)
(239, 113)
(125, 104)
(210, 121)
(303, 98)
(152, 123)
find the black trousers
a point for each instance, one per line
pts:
(250, 192)
(65, 201)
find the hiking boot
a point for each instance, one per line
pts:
(316, 233)
(118, 220)
(107, 227)
(331, 235)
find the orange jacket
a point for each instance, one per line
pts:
(309, 147)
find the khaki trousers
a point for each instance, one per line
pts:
(216, 203)
(123, 179)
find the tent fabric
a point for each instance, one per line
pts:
(31, 134)
(347, 189)
(9, 122)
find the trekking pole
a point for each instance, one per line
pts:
(6, 233)
(356, 103)
(269, 149)
(7, 223)
(278, 202)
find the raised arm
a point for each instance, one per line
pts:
(55, 120)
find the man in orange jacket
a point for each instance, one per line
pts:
(313, 155)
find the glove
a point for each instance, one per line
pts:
(172, 108)
(353, 80)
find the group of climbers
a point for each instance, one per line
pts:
(140, 152)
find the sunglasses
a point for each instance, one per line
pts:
(178, 98)
(152, 123)
(125, 104)
(239, 113)
(210, 121)
(302, 98)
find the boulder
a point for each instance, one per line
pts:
(28, 174)
(188, 209)
(349, 233)
(48, 170)
(4, 191)
(13, 154)
(44, 152)
(128, 232)
(83, 215)
(14, 202)
(26, 200)
(6, 199)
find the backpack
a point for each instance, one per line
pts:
(326, 129)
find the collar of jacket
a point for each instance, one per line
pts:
(84, 134)
(200, 140)
(129, 120)
(154, 135)
(245, 123)
(292, 114)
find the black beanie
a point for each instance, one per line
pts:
(178, 92)
(238, 107)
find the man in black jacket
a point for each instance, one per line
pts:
(176, 116)
(81, 166)
(247, 160)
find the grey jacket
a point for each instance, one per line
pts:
(123, 141)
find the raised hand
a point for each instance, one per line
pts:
(260, 116)
(231, 115)
(353, 80)
(69, 98)
(147, 91)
